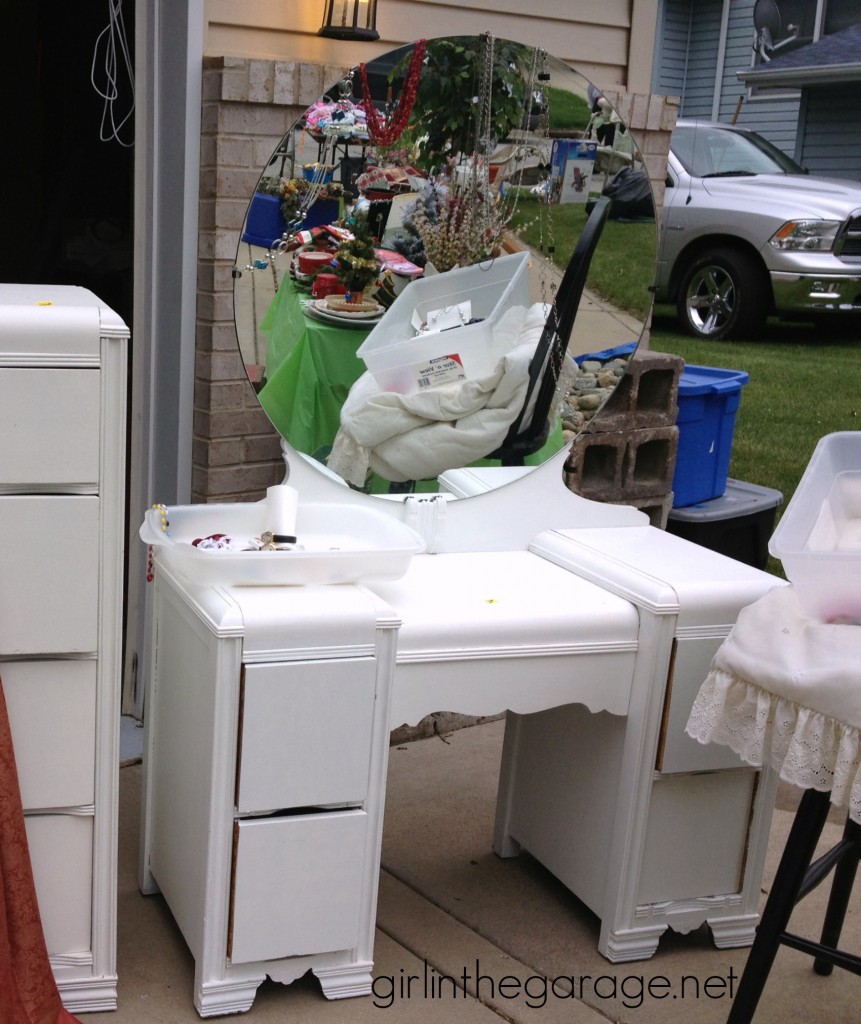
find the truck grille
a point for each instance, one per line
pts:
(849, 240)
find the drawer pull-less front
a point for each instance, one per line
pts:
(49, 587)
(305, 736)
(297, 885)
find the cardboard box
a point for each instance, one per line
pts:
(572, 164)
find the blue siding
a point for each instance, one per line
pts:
(671, 60)
(830, 142)
(827, 138)
(687, 56)
(771, 114)
(702, 68)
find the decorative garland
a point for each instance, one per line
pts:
(384, 131)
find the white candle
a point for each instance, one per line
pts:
(281, 504)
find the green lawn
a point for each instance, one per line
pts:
(802, 385)
(804, 381)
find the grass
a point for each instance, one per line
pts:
(802, 385)
(624, 264)
(805, 381)
(568, 112)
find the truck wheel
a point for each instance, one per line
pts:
(723, 294)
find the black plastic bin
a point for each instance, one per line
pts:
(738, 523)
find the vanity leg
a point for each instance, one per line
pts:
(628, 944)
(503, 844)
(215, 997)
(345, 982)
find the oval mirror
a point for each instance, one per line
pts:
(430, 256)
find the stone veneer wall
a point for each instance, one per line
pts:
(248, 105)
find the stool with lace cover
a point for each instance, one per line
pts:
(783, 690)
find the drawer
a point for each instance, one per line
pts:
(677, 752)
(52, 714)
(305, 734)
(299, 885)
(61, 852)
(696, 838)
(53, 415)
(49, 595)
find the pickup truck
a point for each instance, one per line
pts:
(747, 233)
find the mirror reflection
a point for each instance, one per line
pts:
(418, 282)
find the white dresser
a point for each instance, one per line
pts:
(62, 481)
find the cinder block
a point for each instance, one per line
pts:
(596, 464)
(656, 508)
(620, 465)
(646, 396)
(650, 460)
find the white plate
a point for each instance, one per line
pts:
(318, 309)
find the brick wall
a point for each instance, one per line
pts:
(248, 106)
(651, 119)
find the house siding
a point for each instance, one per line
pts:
(830, 136)
(671, 59)
(705, 36)
(687, 54)
(774, 115)
(595, 36)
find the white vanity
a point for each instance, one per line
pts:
(62, 503)
(269, 711)
(269, 707)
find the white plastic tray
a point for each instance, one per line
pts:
(339, 544)
(818, 539)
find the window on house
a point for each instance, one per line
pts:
(840, 14)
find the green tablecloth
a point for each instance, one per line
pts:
(310, 368)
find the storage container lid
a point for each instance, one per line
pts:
(707, 380)
(739, 499)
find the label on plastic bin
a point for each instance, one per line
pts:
(439, 370)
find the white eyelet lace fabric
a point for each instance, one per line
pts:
(786, 691)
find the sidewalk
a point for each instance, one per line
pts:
(451, 912)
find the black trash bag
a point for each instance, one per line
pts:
(631, 194)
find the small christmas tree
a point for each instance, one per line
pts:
(355, 260)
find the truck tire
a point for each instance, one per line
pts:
(723, 294)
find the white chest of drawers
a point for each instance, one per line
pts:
(62, 482)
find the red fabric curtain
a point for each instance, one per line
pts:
(28, 992)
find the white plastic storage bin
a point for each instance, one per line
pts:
(403, 361)
(818, 540)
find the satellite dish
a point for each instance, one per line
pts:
(766, 17)
(767, 22)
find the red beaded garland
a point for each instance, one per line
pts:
(382, 131)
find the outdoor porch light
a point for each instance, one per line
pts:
(350, 19)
